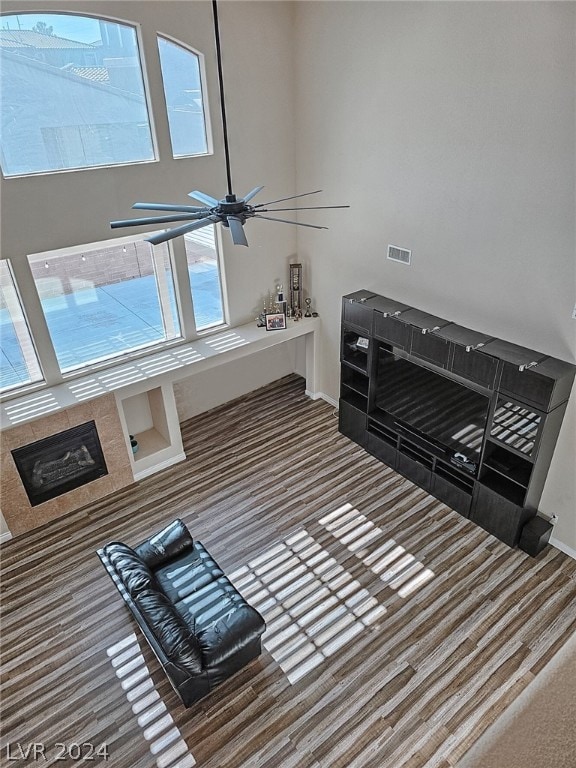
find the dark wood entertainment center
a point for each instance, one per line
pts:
(470, 418)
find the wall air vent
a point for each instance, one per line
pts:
(399, 254)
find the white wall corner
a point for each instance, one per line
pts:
(563, 547)
(322, 396)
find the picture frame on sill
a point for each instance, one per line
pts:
(275, 321)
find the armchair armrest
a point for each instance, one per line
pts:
(229, 634)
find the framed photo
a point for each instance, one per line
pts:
(275, 321)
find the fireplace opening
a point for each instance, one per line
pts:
(59, 463)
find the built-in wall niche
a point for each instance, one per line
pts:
(151, 418)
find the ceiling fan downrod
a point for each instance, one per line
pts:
(230, 194)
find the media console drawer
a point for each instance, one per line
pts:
(430, 347)
(414, 471)
(498, 516)
(474, 365)
(451, 495)
(352, 422)
(391, 329)
(382, 450)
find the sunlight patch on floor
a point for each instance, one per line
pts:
(165, 740)
(311, 604)
(396, 567)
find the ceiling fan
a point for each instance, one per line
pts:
(232, 211)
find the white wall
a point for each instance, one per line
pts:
(449, 128)
(207, 390)
(56, 210)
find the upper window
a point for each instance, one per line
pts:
(72, 94)
(183, 94)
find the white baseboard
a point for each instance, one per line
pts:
(322, 396)
(563, 548)
(5, 537)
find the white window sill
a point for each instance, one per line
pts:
(168, 365)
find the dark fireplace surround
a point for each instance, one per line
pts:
(57, 464)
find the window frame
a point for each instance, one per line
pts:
(34, 383)
(137, 27)
(26, 289)
(203, 90)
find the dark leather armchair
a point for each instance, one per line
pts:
(197, 623)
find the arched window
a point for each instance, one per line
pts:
(72, 94)
(184, 100)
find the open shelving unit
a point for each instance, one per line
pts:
(485, 446)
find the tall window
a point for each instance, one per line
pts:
(72, 94)
(205, 277)
(106, 302)
(183, 94)
(19, 364)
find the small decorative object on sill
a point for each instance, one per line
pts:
(281, 302)
(134, 444)
(296, 289)
(308, 313)
(275, 321)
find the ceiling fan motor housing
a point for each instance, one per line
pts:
(231, 206)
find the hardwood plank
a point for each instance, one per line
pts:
(422, 671)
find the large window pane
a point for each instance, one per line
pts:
(106, 302)
(183, 94)
(18, 357)
(205, 279)
(72, 94)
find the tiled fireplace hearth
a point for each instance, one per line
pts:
(71, 458)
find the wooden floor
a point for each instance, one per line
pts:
(397, 630)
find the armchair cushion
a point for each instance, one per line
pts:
(188, 573)
(229, 634)
(171, 541)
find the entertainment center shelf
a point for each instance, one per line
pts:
(470, 418)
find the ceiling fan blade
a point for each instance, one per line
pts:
(281, 199)
(155, 220)
(206, 199)
(168, 207)
(310, 208)
(236, 230)
(252, 194)
(285, 221)
(162, 237)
